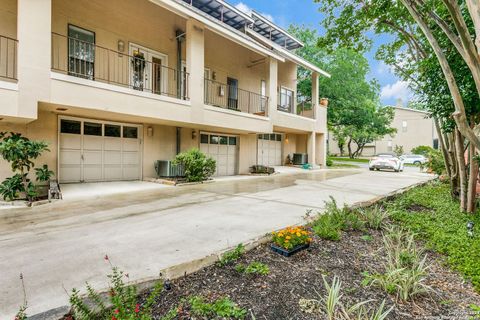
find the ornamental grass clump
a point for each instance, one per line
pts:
(292, 237)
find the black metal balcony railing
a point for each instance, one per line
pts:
(8, 58)
(286, 104)
(87, 60)
(231, 97)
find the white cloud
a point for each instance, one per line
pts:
(398, 90)
(244, 8)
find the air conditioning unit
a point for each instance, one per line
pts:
(300, 158)
(166, 169)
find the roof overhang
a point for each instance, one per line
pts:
(289, 55)
(274, 33)
(187, 11)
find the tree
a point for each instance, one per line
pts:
(355, 117)
(20, 152)
(435, 49)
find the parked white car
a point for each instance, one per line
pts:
(416, 159)
(386, 161)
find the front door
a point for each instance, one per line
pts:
(232, 93)
(148, 70)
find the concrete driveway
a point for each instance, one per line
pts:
(62, 245)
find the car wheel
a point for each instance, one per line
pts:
(417, 163)
(371, 169)
(396, 170)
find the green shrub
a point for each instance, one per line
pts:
(435, 162)
(123, 299)
(11, 187)
(331, 304)
(197, 166)
(43, 174)
(373, 217)
(232, 255)
(398, 150)
(20, 152)
(253, 268)
(443, 228)
(333, 220)
(423, 150)
(405, 269)
(219, 309)
(329, 162)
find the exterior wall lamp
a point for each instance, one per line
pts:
(194, 134)
(150, 131)
(121, 46)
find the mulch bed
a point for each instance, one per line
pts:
(276, 296)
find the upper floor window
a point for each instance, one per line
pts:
(286, 99)
(404, 126)
(81, 52)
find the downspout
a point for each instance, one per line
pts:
(180, 36)
(179, 136)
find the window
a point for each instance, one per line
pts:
(260, 136)
(204, 138)
(404, 126)
(279, 137)
(81, 52)
(70, 126)
(232, 141)
(223, 140)
(112, 131)
(130, 132)
(92, 129)
(213, 139)
(286, 99)
(273, 137)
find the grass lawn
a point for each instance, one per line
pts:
(430, 212)
(337, 165)
(347, 159)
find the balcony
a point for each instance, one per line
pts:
(8, 58)
(229, 96)
(138, 71)
(286, 103)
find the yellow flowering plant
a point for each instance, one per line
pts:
(291, 237)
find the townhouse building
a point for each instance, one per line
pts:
(114, 85)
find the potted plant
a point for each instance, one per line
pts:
(291, 240)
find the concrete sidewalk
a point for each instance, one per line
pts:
(62, 245)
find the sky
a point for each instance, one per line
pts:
(286, 12)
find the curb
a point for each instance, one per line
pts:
(186, 268)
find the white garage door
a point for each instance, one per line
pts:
(92, 151)
(269, 149)
(222, 148)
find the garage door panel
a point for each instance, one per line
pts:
(113, 144)
(92, 143)
(113, 172)
(112, 158)
(131, 145)
(92, 173)
(70, 173)
(130, 172)
(92, 158)
(71, 157)
(70, 141)
(131, 158)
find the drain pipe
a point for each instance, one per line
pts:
(180, 36)
(179, 136)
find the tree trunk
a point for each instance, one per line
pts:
(349, 145)
(454, 179)
(443, 148)
(472, 181)
(459, 115)
(462, 170)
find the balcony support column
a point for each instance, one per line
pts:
(34, 28)
(195, 49)
(315, 93)
(321, 150)
(272, 80)
(311, 148)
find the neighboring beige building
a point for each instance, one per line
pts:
(113, 85)
(414, 128)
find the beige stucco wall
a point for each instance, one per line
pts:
(8, 18)
(139, 22)
(43, 129)
(228, 59)
(287, 76)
